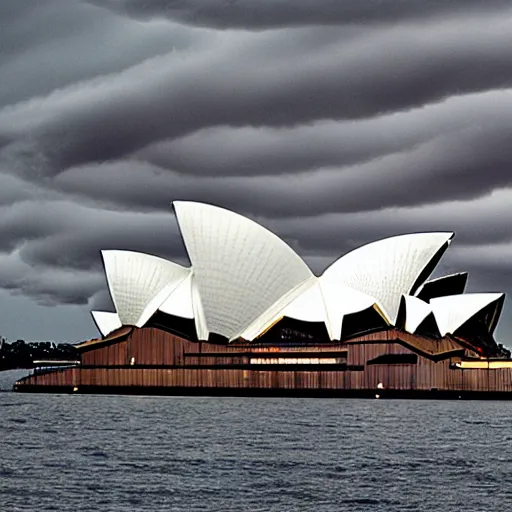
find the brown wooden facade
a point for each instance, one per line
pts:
(386, 363)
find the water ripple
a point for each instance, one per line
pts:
(86, 453)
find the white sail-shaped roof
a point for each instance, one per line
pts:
(454, 311)
(274, 313)
(180, 302)
(389, 268)
(416, 311)
(316, 300)
(240, 268)
(308, 306)
(341, 300)
(139, 283)
(199, 314)
(106, 322)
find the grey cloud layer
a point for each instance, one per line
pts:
(260, 80)
(263, 14)
(51, 45)
(332, 122)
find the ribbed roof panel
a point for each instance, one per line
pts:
(389, 268)
(241, 269)
(454, 311)
(139, 283)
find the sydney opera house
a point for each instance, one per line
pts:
(249, 317)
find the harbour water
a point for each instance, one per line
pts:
(114, 453)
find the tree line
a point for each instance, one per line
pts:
(21, 354)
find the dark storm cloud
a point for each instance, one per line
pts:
(252, 151)
(248, 14)
(429, 172)
(13, 190)
(49, 45)
(495, 258)
(260, 80)
(484, 221)
(48, 285)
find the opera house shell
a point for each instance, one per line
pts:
(248, 316)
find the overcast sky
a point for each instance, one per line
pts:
(332, 122)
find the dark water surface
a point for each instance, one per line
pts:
(109, 453)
